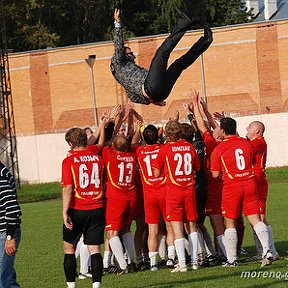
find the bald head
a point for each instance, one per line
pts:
(255, 129)
(121, 143)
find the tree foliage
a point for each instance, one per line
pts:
(36, 24)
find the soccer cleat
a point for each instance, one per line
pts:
(213, 259)
(194, 266)
(243, 251)
(228, 264)
(84, 276)
(123, 271)
(142, 266)
(267, 259)
(179, 269)
(170, 263)
(132, 267)
(276, 257)
(162, 263)
(154, 268)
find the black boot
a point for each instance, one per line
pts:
(208, 35)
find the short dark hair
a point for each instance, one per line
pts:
(229, 125)
(76, 137)
(150, 134)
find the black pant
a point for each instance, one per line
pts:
(161, 80)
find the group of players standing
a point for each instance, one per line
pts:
(102, 189)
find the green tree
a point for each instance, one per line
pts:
(35, 24)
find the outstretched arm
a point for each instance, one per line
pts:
(118, 36)
(199, 120)
(211, 120)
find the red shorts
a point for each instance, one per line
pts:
(181, 204)
(239, 194)
(262, 189)
(214, 199)
(139, 211)
(119, 213)
(155, 205)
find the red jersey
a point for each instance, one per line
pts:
(210, 144)
(259, 146)
(233, 156)
(179, 160)
(84, 171)
(121, 168)
(147, 157)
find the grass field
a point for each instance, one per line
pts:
(40, 257)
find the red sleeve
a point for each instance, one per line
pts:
(216, 160)
(209, 142)
(105, 153)
(67, 177)
(135, 147)
(94, 149)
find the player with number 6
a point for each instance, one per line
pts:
(233, 158)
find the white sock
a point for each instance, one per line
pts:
(180, 250)
(153, 258)
(231, 240)
(187, 246)
(171, 252)
(208, 243)
(259, 249)
(79, 244)
(117, 249)
(201, 246)
(96, 285)
(107, 259)
(128, 242)
(162, 246)
(112, 259)
(262, 233)
(271, 241)
(70, 284)
(84, 259)
(221, 245)
(193, 242)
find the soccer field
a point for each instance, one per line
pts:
(39, 262)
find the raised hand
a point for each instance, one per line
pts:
(115, 111)
(203, 103)
(117, 14)
(218, 116)
(194, 94)
(186, 107)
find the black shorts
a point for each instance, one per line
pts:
(90, 223)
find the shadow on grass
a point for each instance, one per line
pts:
(281, 247)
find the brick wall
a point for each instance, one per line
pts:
(245, 74)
